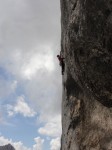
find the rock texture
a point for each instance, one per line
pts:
(86, 44)
(7, 147)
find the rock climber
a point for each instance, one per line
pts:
(61, 62)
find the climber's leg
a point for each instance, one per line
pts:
(63, 68)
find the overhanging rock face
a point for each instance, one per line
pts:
(86, 44)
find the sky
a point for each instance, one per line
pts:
(30, 76)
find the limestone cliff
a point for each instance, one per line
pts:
(7, 147)
(86, 44)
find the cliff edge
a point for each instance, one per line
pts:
(86, 44)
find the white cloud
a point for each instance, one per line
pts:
(37, 61)
(28, 43)
(4, 141)
(26, 65)
(39, 143)
(20, 146)
(21, 107)
(52, 129)
(55, 144)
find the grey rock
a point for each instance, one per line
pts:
(7, 147)
(86, 44)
